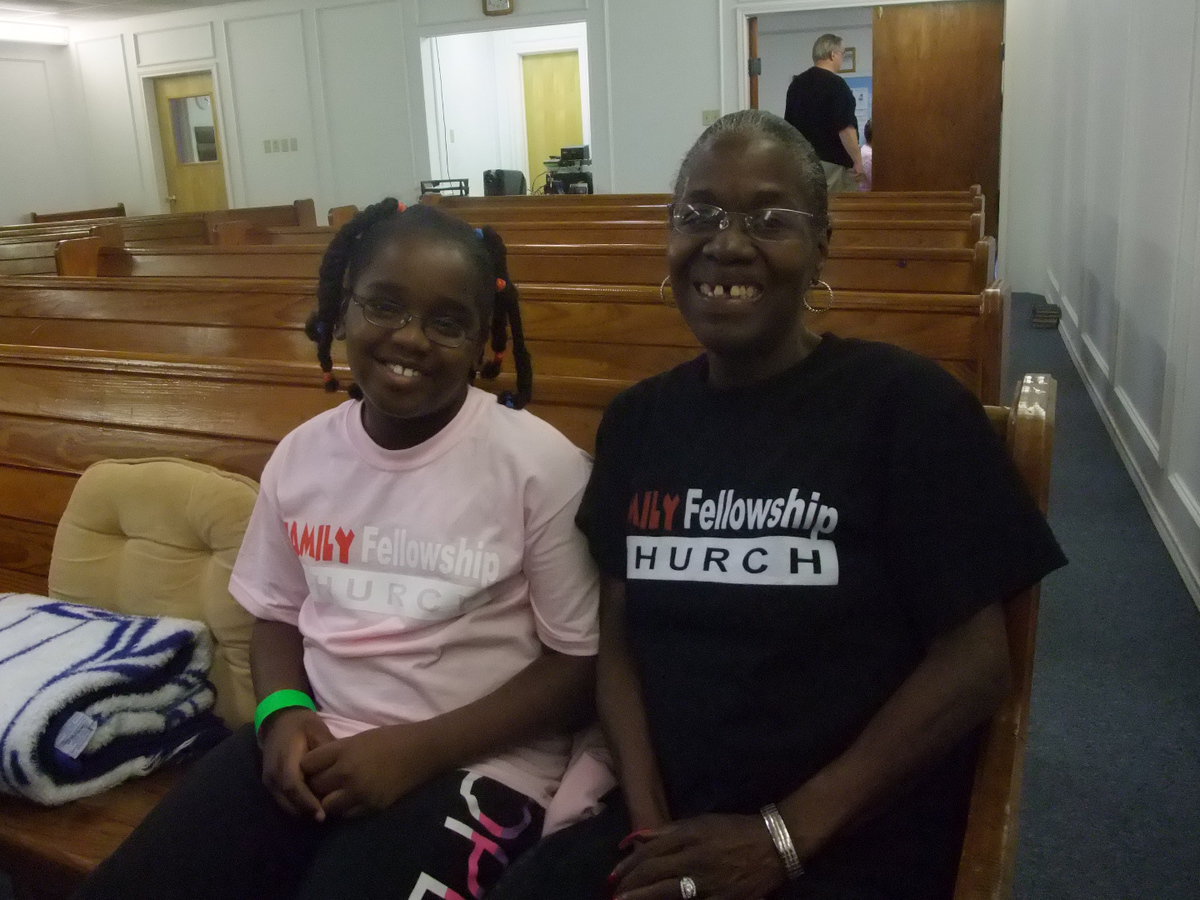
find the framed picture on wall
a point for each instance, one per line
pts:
(497, 7)
(847, 60)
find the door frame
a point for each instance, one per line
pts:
(153, 132)
(734, 60)
(735, 53)
(597, 99)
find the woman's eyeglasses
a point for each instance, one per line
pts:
(705, 219)
(443, 330)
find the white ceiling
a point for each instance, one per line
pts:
(73, 12)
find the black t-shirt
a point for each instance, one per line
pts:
(789, 550)
(820, 104)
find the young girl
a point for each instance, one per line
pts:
(426, 611)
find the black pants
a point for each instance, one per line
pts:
(219, 835)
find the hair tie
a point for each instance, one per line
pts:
(326, 377)
(501, 284)
(498, 357)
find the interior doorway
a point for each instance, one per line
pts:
(505, 99)
(189, 142)
(927, 76)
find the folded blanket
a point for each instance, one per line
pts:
(91, 698)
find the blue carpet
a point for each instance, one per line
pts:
(1112, 789)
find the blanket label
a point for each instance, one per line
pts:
(75, 734)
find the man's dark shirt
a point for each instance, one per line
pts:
(820, 104)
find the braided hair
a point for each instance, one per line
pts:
(506, 318)
(355, 245)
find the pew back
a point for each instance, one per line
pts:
(176, 228)
(77, 214)
(916, 269)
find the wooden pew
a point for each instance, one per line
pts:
(92, 373)
(588, 340)
(88, 257)
(987, 863)
(235, 232)
(239, 233)
(74, 401)
(972, 195)
(36, 255)
(932, 269)
(915, 205)
(853, 232)
(177, 228)
(104, 212)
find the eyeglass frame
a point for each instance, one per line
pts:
(727, 216)
(366, 304)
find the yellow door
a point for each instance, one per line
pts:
(553, 106)
(191, 146)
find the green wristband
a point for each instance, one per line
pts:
(277, 700)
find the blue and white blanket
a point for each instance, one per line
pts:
(90, 698)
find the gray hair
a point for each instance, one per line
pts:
(760, 123)
(824, 46)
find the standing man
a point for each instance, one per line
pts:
(821, 106)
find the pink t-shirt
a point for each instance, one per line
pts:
(423, 579)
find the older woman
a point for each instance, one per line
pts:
(805, 542)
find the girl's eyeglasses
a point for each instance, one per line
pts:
(443, 330)
(705, 220)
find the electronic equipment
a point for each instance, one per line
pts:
(450, 187)
(567, 173)
(503, 182)
(580, 153)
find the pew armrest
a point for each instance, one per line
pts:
(988, 859)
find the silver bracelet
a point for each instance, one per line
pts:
(782, 840)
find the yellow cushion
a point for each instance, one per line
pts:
(158, 537)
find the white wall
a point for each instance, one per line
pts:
(366, 140)
(1101, 161)
(664, 74)
(332, 75)
(464, 133)
(345, 79)
(268, 72)
(45, 144)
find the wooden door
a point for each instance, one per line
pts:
(190, 139)
(755, 61)
(936, 109)
(553, 106)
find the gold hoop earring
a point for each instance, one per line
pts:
(819, 309)
(662, 292)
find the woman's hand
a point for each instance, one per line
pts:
(285, 738)
(728, 857)
(371, 770)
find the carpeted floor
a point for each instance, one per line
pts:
(1112, 790)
